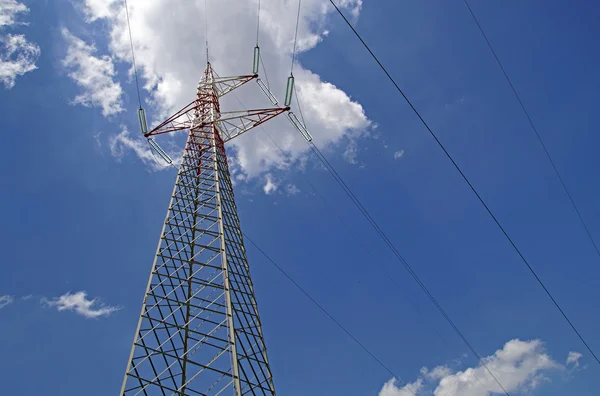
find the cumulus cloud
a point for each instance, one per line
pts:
(270, 185)
(17, 54)
(518, 366)
(95, 75)
(398, 154)
(170, 67)
(391, 388)
(5, 300)
(79, 303)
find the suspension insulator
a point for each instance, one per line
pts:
(300, 126)
(160, 151)
(289, 91)
(256, 60)
(267, 92)
(143, 123)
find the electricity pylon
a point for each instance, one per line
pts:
(199, 332)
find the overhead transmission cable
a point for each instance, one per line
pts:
(141, 112)
(296, 36)
(273, 99)
(137, 83)
(489, 211)
(289, 90)
(533, 127)
(366, 214)
(258, 61)
(331, 317)
(258, 23)
(402, 260)
(331, 210)
(206, 29)
(301, 126)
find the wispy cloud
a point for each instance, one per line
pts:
(351, 152)
(398, 154)
(79, 303)
(6, 300)
(292, 189)
(9, 11)
(573, 358)
(95, 75)
(123, 142)
(17, 54)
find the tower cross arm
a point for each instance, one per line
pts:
(224, 85)
(179, 121)
(230, 124)
(234, 123)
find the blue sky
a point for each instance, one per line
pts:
(83, 212)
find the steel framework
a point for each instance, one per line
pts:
(199, 331)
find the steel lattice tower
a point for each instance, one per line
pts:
(199, 331)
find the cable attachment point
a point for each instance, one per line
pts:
(299, 126)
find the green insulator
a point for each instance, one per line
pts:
(289, 91)
(256, 60)
(143, 123)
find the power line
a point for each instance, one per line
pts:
(518, 251)
(408, 267)
(382, 234)
(206, 28)
(137, 84)
(331, 317)
(257, 22)
(296, 36)
(331, 210)
(533, 127)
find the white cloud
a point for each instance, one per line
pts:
(518, 366)
(292, 189)
(170, 67)
(437, 373)
(398, 154)
(270, 185)
(17, 57)
(573, 358)
(5, 300)
(123, 142)
(95, 75)
(79, 303)
(17, 54)
(351, 152)
(9, 9)
(98, 9)
(391, 388)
